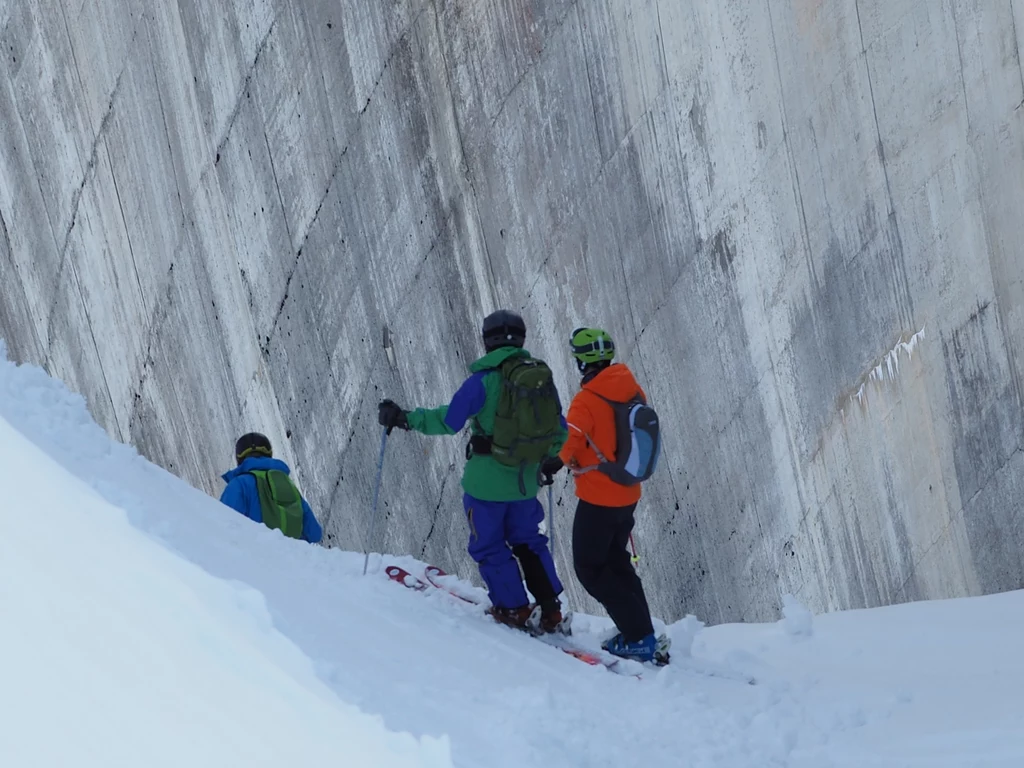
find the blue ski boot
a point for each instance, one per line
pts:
(641, 650)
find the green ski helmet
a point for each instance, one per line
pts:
(591, 345)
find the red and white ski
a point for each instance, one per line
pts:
(405, 578)
(434, 577)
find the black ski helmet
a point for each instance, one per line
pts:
(503, 329)
(252, 444)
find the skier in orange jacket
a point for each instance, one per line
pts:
(604, 515)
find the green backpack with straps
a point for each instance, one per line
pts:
(280, 501)
(527, 420)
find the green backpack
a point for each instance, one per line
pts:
(526, 422)
(280, 501)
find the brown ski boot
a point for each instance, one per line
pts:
(517, 618)
(553, 620)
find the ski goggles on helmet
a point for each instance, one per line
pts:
(591, 345)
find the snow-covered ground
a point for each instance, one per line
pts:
(144, 624)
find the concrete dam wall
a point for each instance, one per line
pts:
(801, 221)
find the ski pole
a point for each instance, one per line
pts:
(634, 559)
(551, 519)
(376, 492)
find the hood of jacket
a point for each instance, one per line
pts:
(496, 357)
(615, 383)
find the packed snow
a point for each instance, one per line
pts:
(146, 624)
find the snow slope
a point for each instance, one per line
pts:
(146, 624)
(119, 652)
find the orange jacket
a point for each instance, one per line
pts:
(591, 417)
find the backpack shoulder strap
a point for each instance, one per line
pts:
(476, 418)
(637, 398)
(262, 490)
(259, 475)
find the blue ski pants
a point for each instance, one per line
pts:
(502, 533)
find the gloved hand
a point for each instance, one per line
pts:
(390, 415)
(548, 469)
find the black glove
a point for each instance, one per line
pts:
(548, 469)
(390, 415)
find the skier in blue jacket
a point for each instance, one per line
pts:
(254, 455)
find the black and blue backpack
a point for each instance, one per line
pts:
(637, 442)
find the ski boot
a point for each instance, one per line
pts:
(661, 646)
(613, 640)
(648, 649)
(547, 618)
(517, 618)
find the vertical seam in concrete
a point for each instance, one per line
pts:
(95, 345)
(16, 275)
(636, 335)
(155, 323)
(74, 57)
(127, 234)
(462, 145)
(960, 60)
(91, 165)
(42, 196)
(277, 186)
(701, 540)
(797, 476)
(167, 134)
(1016, 45)
(76, 201)
(874, 108)
(597, 133)
(94, 153)
(798, 195)
(821, 169)
(287, 229)
(47, 359)
(664, 56)
(689, 207)
(629, 298)
(590, 85)
(38, 176)
(891, 213)
(5, 234)
(62, 252)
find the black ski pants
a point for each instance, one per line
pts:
(600, 536)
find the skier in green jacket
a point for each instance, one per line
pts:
(517, 428)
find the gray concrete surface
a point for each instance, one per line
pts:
(801, 221)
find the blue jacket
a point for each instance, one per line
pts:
(241, 494)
